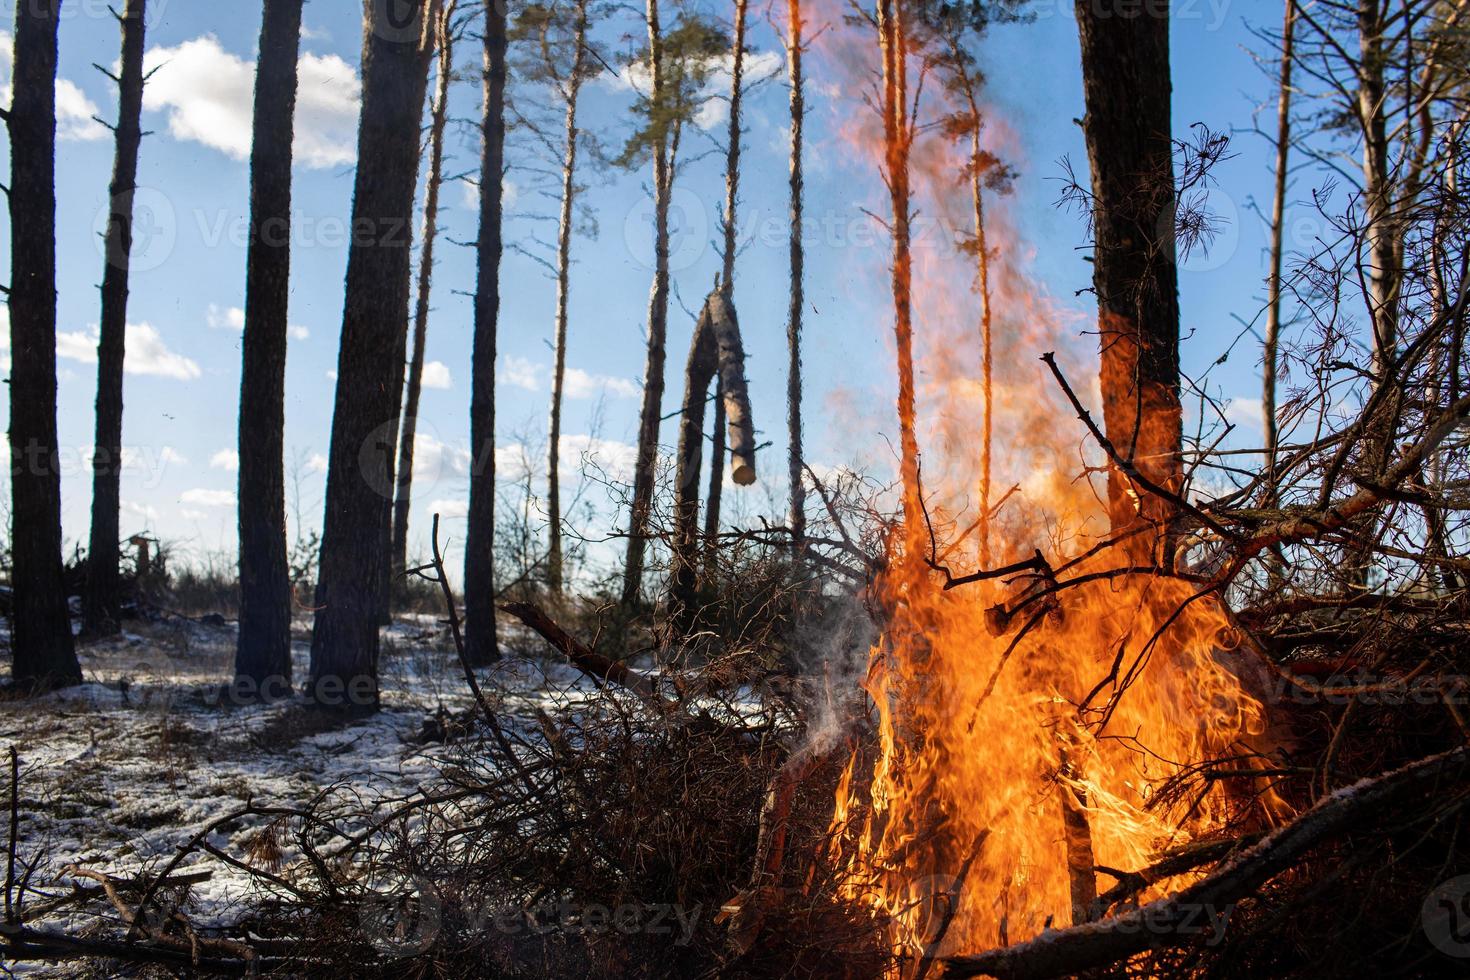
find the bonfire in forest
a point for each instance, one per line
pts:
(1050, 560)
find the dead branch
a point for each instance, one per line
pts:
(583, 657)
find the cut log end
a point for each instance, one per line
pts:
(742, 472)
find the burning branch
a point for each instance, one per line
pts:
(1067, 952)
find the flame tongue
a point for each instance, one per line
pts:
(1005, 770)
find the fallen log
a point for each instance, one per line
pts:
(1173, 921)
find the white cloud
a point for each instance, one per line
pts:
(433, 459)
(317, 463)
(519, 372)
(208, 498)
(231, 318)
(144, 511)
(225, 459)
(580, 384)
(450, 508)
(76, 115)
(74, 111)
(208, 94)
(436, 375)
(147, 353)
(616, 459)
(1246, 413)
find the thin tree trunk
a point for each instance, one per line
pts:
(263, 650)
(554, 569)
(1125, 71)
(727, 280)
(987, 351)
(714, 499)
(794, 454)
(41, 641)
(1380, 230)
(101, 605)
(658, 315)
(481, 645)
(1278, 233)
(1381, 241)
(344, 647)
(896, 138)
(409, 426)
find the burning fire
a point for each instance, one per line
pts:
(1035, 731)
(1011, 762)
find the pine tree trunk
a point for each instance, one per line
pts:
(263, 651)
(1380, 226)
(1278, 231)
(1125, 71)
(658, 316)
(408, 429)
(794, 455)
(987, 346)
(554, 569)
(893, 43)
(41, 641)
(714, 500)
(101, 606)
(479, 576)
(344, 646)
(727, 279)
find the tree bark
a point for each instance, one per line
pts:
(41, 641)
(1125, 71)
(1382, 235)
(554, 564)
(263, 650)
(987, 347)
(716, 345)
(893, 43)
(794, 453)
(714, 501)
(408, 429)
(344, 648)
(658, 316)
(1269, 355)
(101, 605)
(481, 645)
(727, 276)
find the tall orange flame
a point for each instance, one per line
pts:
(1034, 728)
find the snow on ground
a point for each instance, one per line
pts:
(117, 773)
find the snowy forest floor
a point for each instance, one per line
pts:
(116, 774)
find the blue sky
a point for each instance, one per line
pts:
(188, 280)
